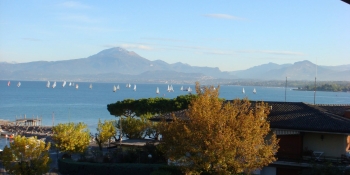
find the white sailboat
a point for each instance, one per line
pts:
(8, 83)
(76, 86)
(243, 91)
(254, 91)
(118, 87)
(70, 84)
(18, 84)
(171, 88)
(135, 87)
(182, 88)
(157, 91)
(189, 89)
(48, 84)
(114, 88)
(54, 84)
(168, 88)
(90, 86)
(64, 84)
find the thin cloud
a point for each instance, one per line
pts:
(78, 18)
(75, 5)
(164, 39)
(89, 28)
(218, 53)
(290, 53)
(282, 52)
(136, 46)
(223, 16)
(31, 39)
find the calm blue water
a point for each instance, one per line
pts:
(86, 105)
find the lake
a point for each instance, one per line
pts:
(63, 104)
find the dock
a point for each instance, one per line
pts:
(28, 121)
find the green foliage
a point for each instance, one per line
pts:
(140, 127)
(334, 87)
(26, 156)
(132, 108)
(71, 137)
(105, 131)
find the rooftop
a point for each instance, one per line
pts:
(297, 116)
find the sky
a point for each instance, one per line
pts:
(228, 34)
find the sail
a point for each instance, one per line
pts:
(243, 91)
(54, 84)
(114, 88)
(171, 88)
(64, 84)
(135, 87)
(76, 86)
(90, 86)
(118, 87)
(8, 83)
(182, 88)
(189, 89)
(254, 91)
(19, 84)
(70, 83)
(168, 88)
(48, 84)
(157, 91)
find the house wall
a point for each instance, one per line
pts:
(330, 144)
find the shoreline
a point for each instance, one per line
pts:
(27, 131)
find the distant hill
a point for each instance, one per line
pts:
(118, 64)
(302, 70)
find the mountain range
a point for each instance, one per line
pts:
(119, 65)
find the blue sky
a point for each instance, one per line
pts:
(231, 35)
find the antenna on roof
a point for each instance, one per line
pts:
(315, 85)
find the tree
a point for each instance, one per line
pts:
(137, 128)
(26, 156)
(220, 137)
(137, 113)
(105, 131)
(71, 138)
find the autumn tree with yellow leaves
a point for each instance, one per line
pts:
(220, 137)
(26, 156)
(105, 131)
(71, 138)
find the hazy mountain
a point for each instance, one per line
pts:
(338, 68)
(117, 64)
(302, 70)
(117, 61)
(256, 71)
